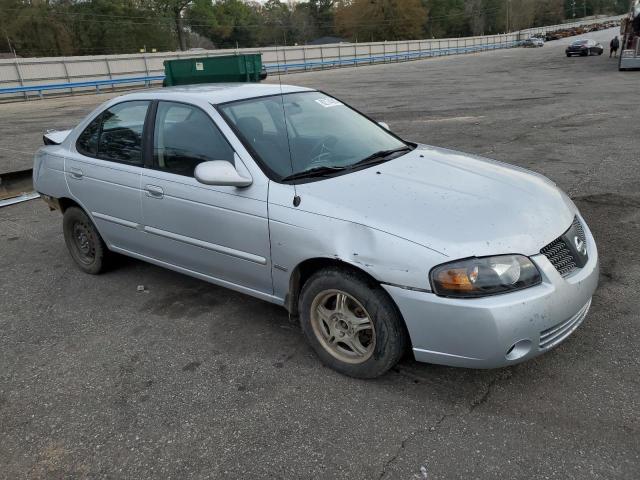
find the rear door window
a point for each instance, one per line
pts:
(116, 134)
(121, 133)
(87, 143)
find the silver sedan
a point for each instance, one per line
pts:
(378, 244)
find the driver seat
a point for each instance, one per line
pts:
(267, 146)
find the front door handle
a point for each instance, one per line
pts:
(154, 191)
(75, 172)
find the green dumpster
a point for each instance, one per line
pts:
(224, 68)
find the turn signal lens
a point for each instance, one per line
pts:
(479, 277)
(455, 279)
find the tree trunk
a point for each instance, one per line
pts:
(182, 40)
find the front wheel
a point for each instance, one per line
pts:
(351, 323)
(84, 242)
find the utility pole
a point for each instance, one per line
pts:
(12, 50)
(584, 5)
(508, 5)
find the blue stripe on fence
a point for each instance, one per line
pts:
(276, 67)
(89, 83)
(389, 56)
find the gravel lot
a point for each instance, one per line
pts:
(188, 380)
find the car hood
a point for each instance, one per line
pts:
(457, 204)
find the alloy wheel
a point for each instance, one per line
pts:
(343, 326)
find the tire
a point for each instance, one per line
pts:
(85, 244)
(568, 55)
(368, 322)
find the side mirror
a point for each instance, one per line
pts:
(220, 172)
(384, 125)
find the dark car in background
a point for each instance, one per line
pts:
(584, 48)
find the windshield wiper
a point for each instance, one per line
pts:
(314, 172)
(325, 170)
(381, 156)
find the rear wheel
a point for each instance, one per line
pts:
(84, 242)
(351, 323)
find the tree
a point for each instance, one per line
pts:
(549, 12)
(176, 9)
(276, 18)
(322, 13)
(31, 31)
(447, 18)
(305, 26)
(82, 27)
(377, 20)
(118, 26)
(227, 23)
(476, 15)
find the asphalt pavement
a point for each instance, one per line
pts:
(189, 380)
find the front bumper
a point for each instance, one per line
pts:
(504, 329)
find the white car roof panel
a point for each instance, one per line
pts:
(215, 93)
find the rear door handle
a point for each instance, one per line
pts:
(154, 191)
(75, 172)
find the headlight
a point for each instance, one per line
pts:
(480, 277)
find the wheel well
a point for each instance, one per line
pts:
(303, 271)
(65, 203)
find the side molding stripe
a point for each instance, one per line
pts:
(209, 246)
(118, 221)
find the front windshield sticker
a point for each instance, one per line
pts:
(328, 102)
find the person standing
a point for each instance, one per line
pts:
(613, 47)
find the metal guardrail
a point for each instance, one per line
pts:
(91, 83)
(277, 67)
(354, 61)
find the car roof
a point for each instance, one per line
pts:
(215, 93)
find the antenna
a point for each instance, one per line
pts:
(296, 198)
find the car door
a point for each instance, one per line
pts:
(218, 232)
(103, 172)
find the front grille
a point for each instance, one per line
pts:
(559, 253)
(556, 334)
(560, 256)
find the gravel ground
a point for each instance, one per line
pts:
(188, 380)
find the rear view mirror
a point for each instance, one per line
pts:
(384, 125)
(220, 172)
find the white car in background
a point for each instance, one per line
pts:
(533, 42)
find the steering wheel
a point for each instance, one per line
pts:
(321, 150)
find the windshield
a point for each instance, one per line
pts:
(323, 133)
